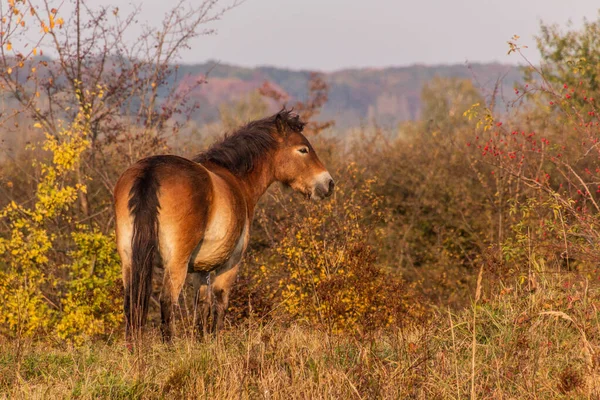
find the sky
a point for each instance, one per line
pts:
(329, 35)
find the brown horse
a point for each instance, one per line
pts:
(195, 216)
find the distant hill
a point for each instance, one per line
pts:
(387, 95)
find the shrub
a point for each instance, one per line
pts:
(323, 268)
(36, 296)
(92, 302)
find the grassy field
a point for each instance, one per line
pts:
(458, 257)
(519, 343)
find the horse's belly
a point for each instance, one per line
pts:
(225, 235)
(210, 255)
(223, 244)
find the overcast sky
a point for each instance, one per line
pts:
(334, 34)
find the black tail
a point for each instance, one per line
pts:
(143, 205)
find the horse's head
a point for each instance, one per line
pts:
(295, 161)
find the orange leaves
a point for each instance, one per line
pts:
(55, 21)
(8, 46)
(52, 22)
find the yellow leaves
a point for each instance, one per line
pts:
(513, 46)
(8, 46)
(26, 249)
(52, 23)
(474, 112)
(23, 309)
(323, 262)
(89, 307)
(34, 51)
(9, 70)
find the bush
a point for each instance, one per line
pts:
(36, 295)
(322, 269)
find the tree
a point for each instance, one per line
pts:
(124, 86)
(444, 102)
(309, 110)
(101, 101)
(570, 60)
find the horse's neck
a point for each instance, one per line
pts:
(257, 182)
(253, 185)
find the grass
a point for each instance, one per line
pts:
(542, 344)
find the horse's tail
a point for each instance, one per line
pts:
(143, 205)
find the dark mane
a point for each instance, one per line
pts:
(239, 150)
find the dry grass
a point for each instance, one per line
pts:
(541, 344)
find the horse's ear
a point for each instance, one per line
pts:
(280, 123)
(297, 124)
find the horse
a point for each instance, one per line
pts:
(194, 216)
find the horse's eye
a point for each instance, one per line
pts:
(303, 150)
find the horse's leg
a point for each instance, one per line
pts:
(124, 235)
(202, 301)
(126, 269)
(174, 278)
(221, 289)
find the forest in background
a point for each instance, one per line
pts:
(457, 258)
(356, 97)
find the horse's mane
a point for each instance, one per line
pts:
(239, 151)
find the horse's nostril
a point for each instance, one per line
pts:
(331, 186)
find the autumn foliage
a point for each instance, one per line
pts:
(458, 255)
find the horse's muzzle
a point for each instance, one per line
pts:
(325, 189)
